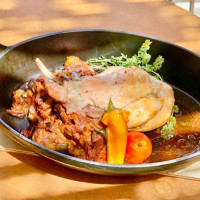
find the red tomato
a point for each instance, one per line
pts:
(138, 148)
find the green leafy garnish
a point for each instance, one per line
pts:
(111, 106)
(167, 130)
(141, 60)
(175, 109)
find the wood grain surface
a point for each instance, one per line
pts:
(24, 177)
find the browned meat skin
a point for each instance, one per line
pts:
(75, 64)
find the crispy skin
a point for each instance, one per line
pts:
(75, 64)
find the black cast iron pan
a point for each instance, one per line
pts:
(181, 69)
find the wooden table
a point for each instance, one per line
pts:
(35, 178)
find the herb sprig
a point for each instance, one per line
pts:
(140, 60)
(167, 130)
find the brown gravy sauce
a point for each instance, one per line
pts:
(178, 146)
(187, 131)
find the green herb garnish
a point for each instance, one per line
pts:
(167, 130)
(141, 60)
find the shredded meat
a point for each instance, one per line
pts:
(50, 125)
(21, 103)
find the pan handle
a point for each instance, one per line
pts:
(2, 48)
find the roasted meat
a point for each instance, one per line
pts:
(149, 100)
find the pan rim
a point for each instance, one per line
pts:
(97, 30)
(92, 163)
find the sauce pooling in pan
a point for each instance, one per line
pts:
(187, 131)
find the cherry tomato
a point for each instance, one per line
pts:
(138, 148)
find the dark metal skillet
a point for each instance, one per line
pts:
(181, 68)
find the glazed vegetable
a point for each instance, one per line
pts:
(167, 130)
(116, 122)
(141, 60)
(138, 148)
